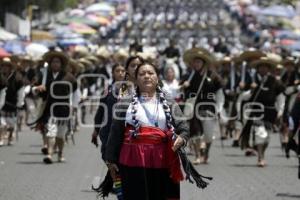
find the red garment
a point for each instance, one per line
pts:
(151, 149)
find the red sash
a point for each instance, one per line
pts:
(150, 149)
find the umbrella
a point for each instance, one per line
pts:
(14, 47)
(82, 28)
(77, 12)
(82, 20)
(64, 32)
(100, 7)
(287, 42)
(46, 43)
(295, 46)
(287, 34)
(279, 11)
(254, 9)
(3, 53)
(5, 35)
(118, 1)
(36, 51)
(72, 42)
(101, 20)
(41, 35)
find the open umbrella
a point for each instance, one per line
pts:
(77, 12)
(36, 51)
(14, 47)
(5, 35)
(287, 42)
(100, 19)
(72, 42)
(41, 35)
(4, 53)
(82, 28)
(82, 20)
(295, 46)
(287, 34)
(99, 7)
(279, 11)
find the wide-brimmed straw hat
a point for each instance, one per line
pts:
(251, 55)
(201, 53)
(289, 61)
(75, 65)
(56, 54)
(121, 55)
(265, 61)
(225, 60)
(103, 53)
(7, 62)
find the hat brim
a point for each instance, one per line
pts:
(270, 63)
(195, 53)
(251, 55)
(56, 54)
(288, 62)
(8, 63)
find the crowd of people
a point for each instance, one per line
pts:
(155, 100)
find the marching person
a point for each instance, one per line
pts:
(14, 98)
(230, 85)
(206, 87)
(113, 94)
(140, 147)
(56, 94)
(267, 108)
(3, 89)
(103, 117)
(116, 91)
(247, 82)
(290, 79)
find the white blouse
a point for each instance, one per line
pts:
(172, 89)
(149, 113)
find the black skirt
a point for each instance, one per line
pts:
(148, 184)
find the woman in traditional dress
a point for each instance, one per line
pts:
(140, 148)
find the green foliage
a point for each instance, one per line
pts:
(54, 5)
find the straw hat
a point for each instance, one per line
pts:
(201, 53)
(289, 61)
(87, 64)
(103, 52)
(56, 54)
(251, 55)
(121, 55)
(93, 59)
(75, 66)
(264, 61)
(225, 60)
(7, 62)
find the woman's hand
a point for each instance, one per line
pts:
(179, 142)
(113, 169)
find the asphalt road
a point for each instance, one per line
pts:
(23, 176)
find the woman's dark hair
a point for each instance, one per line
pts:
(160, 84)
(130, 59)
(114, 67)
(146, 63)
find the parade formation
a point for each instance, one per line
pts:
(163, 86)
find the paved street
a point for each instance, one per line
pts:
(23, 176)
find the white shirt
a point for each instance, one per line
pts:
(148, 113)
(55, 75)
(172, 88)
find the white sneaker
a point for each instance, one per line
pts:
(1, 143)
